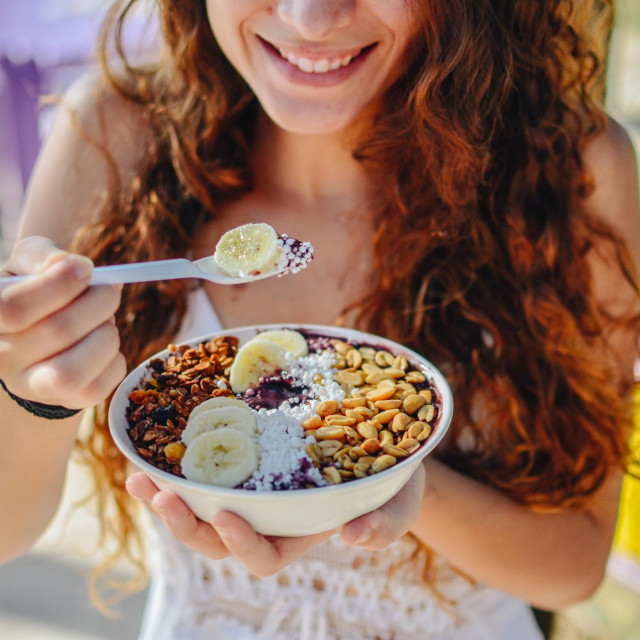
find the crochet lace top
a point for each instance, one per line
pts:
(333, 592)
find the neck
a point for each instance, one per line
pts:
(309, 172)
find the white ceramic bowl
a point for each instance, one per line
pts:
(294, 512)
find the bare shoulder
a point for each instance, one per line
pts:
(105, 115)
(98, 138)
(611, 160)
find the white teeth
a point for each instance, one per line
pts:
(305, 64)
(319, 66)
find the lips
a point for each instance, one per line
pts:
(317, 65)
(317, 62)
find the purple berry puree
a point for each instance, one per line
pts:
(273, 390)
(301, 478)
(317, 342)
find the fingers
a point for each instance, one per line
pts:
(261, 556)
(100, 388)
(32, 254)
(378, 529)
(63, 375)
(228, 534)
(184, 526)
(178, 518)
(58, 339)
(63, 329)
(25, 303)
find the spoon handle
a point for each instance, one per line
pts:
(145, 272)
(133, 272)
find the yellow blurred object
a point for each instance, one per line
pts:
(625, 561)
(627, 539)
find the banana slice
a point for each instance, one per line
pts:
(248, 250)
(292, 341)
(255, 359)
(221, 418)
(215, 403)
(223, 458)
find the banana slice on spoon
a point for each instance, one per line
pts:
(256, 250)
(250, 249)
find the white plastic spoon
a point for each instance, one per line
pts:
(205, 268)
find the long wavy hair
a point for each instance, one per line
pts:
(482, 243)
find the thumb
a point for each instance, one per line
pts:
(32, 255)
(392, 520)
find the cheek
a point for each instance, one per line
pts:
(225, 28)
(400, 17)
(228, 19)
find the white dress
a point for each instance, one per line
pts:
(333, 592)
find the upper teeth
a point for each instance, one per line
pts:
(316, 66)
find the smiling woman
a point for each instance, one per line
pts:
(352, 51)
(466, 196)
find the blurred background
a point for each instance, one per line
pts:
(44, 46)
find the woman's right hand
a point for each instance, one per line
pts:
(58, 339)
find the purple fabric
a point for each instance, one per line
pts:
(21, 91)
(37, 36)
(47, 33)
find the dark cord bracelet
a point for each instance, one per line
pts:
(47, 411)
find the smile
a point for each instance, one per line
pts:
(321, 65)
(331, 66)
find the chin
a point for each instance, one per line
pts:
(314, 121)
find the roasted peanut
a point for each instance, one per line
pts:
(312, 423)
(367, 430)
(327, 408)
(382, 463)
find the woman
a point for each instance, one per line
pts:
(465, 195)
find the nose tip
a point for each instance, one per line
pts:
(316, 19)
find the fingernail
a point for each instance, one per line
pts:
(222, 531)
(157, 505)
(365, 535)
(51, 260)
(225, 534)
(83, 267)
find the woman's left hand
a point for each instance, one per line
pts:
(231, 535)
(379, 528)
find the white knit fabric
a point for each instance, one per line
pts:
(333, 592)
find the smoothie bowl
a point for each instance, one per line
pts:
(298, 429)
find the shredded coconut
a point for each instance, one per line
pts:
(284, 462)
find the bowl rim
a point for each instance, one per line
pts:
(434, 375)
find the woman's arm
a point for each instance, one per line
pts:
(549, 560)
(58, 340)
